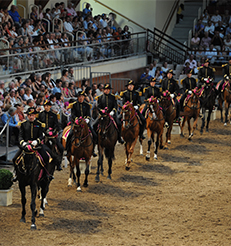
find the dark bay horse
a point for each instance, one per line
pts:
(107, 138)
(30, 172)
(169, 111)
(155, 124)
(225, 97)
(130, 130)
(81, 148)
(207, 100)
(191, 110)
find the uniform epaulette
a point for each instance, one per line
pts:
(37, 115)
(145, 89)
(97, 97)
(140, 93)
(122, 93)
(161, 80)
(42, 124)
(196, 80)
(177, 81)
(117, 97)
(70, 105)
(113, 94)
(182, 81)
(160, 89)
(214, 70)
(89, 105)
(224, 65)
(200, 67)
(20, 122)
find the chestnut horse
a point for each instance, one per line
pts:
(191, 110)
(107, 138)
(81, 147)
(169, 111)
(226, 97)
(155, 124)
(130, 130)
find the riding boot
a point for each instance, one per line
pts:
(15, 178)
(142, 125)
(120, 140)
(68, 143)
(95, 139)
(177, 104)
(144, 110)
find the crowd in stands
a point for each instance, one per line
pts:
(212, 37)
(27, 35)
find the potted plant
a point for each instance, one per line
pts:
(5, 187)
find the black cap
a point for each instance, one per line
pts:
(107, 86)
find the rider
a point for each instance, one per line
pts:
(133, 96)
(31, 135)
(149, 91)
(109, 100)
(189, 83)
(51, 126)
(81, 108)
(172, 86)
(205, 72)
(226, 74)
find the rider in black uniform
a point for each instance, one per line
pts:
(134, 97)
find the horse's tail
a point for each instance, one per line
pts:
(109, 153)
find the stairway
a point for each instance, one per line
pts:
(181, 30)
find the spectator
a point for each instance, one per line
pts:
(89, 97)
(99, 90)
(226, 18)
(13, 125)
(70, 9)
(34, 13)
(103, 21)
(205, 17)
(87, 10)
(29, 103)
(28, 95)
(221, 29)
(187, 68)
(200, 53)
(192, 62)
(14, 14)
(152, 69)
(199, 29)
(65, 92)
(227, 42)
(57, 11)
(54, 106)
(158, 76)
(206, 41)
(228, 29)
(71, 88)
(210, 29)
(67, 25)
(211, 54)
(195, 41)
(215, 18)
(165, 67)
(145, 77)
(2, 85)
(19, 112)
(57, 88)
(217, 41)
(179, 15)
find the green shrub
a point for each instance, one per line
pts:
(5, 179)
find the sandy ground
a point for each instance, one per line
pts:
(183, 198)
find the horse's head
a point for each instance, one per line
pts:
(104, 120)
(80, 130)
(194, 98)
(128, 113)
(50, 138)
(166, 99)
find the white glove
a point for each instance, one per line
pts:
(87, 120)
(136, 107)
(24, 144)
(34, 143)
(112, 113)
(172, 95)
(205, 79)
(190, 92)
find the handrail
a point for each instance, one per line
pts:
(48, 23)
(53, 23)
(169, 19)
(6, 126)
(199, 13)
(189, 37)
(77, 34)
(125, 17)
(24, 10)
(34, 5)
(72, 36)
(194, 24)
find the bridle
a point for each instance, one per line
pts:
(127, 109)
(154, 107)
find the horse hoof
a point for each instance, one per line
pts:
(79, 189)
(161, 146)
(69, 182)
(201, 132)
(169, 142)
(23, 220)
(127, 168)
(155, 156)
(33, 227)
(147, 158)
(182, 135)
(41, 215)
(225, 124)
(85, 185)
(165, 147)
(207, 130)
(102, 174)
(109, 177)
(190, 139)
(97, 178)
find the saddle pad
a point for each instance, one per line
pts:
(66, 132)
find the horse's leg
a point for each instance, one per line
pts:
(182, 126)
(71, 171)
(42, 205)
(169, 132)
(221, 108)
(208, 120)
(109, 167)
(203, 120)
(226, 112)
(156, 144)
(149, 144)
(195, 124)
(130, 152)
(100, 161)
(78, 173)
(85, 184)
(161, 137)
(141, 146)
(23, 201)
(189, 129)
(126, 151)
(33, 188)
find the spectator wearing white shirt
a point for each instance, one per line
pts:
(215, 18)
(103, 21)
(191, 61)
(152, 69)
(57, 10)
(211, 54)
(70, 10)
(68, 26)
(210, 29)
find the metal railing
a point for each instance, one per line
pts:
(24, 10)
(39, 60)
(53, 24)
(48, 24)
(118, 84)
(6, 126)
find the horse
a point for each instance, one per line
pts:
(225, 96)
(82, 147)
(207, 100)
(191, 110)
(30, 172)
(130, 130)
(169, 111)
(107, 138)
(155, 124)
